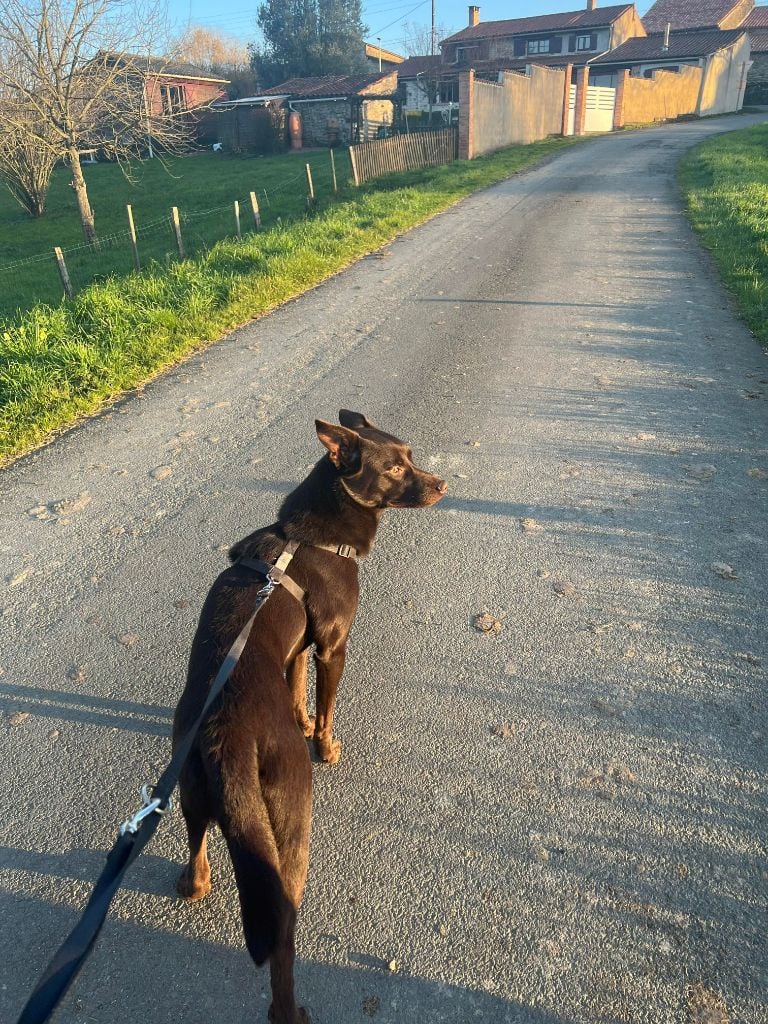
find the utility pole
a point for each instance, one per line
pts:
(378, 40)
(432, 37)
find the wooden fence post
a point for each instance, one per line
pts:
(353, 161)
(63, 274)
(177, 232)
(310, 188)
(333, 171)
(255, 209)
(237, 219)
(132, 233)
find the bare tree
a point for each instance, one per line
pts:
(417, 39)
(83, 74)
(28, 155)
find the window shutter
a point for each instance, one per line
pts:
(520, 47)
(556, 44)
(593, 41)
(572, 44)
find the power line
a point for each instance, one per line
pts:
(401, 17)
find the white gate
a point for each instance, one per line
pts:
(601, 101)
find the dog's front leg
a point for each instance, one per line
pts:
(296, 674)
(329, 665)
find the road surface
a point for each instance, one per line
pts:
(561, 821)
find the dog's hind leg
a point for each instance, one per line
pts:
(284, 1009)
(195, 880)
(296, 675)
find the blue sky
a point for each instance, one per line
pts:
(383, 17)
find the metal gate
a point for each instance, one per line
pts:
(601, 101)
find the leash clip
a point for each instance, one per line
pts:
(270, 583)
(150, 807)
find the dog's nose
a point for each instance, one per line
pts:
(441, 486)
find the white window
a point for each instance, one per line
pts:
(538, 46)
(583, 43)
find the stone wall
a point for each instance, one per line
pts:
(668, 94)
(757, 82)
(519, 109)
(326, 123)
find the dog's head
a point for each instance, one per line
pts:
(376, 469)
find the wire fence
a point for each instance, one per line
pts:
(46, 274)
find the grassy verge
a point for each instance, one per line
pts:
(58, 363)
(725, 185)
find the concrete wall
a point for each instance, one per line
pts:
(722, 90)
(627, 26)
(520, 109)
(667, 95)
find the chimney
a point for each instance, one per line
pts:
(591, 5)
(665, 44)
(474, 16)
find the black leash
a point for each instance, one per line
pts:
(134, 835)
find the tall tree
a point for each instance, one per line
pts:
(83, 71)
(303, 38)
(222, 55)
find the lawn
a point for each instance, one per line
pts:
(725, 184)
(203, 187)
(63, 361)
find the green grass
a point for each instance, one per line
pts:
(725, 184)
(60, 362)
(203, 186)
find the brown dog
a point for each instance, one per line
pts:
(249, 769)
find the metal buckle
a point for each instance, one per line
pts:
(150, 807)
(269, 585)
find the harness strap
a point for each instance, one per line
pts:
(277, 572)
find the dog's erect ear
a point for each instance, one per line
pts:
(343, 445)
(354, 420)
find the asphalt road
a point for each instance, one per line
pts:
(563, 821)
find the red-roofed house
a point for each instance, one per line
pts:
(680, 14)
(721, 15)
(554, 40)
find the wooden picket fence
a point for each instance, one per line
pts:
(403, 153)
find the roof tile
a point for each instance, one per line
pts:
(687, 14)
(541, 23)
(681, 44)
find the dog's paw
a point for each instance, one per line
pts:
(192, 889)
(328, 750)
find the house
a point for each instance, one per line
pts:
(379, 59)
(332, 110)
(721, 15)
(680, 14)
(170, 86)
(427, 88)
(554, 40)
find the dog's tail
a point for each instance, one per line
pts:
(267, 913)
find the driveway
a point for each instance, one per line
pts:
(561, 821)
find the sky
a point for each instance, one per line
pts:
(384, 18)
